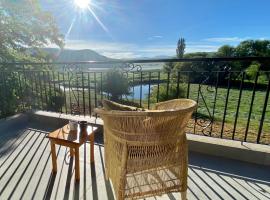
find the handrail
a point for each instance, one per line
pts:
(114, 61)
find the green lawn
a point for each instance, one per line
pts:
(232, 104)
(202, 110)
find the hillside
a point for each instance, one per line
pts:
(70, 55)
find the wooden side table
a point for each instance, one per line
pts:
(72, 139)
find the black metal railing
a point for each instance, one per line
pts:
(233, 104)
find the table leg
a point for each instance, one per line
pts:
(54, 161)
(77, 164)
(71, 150)
(92, 139)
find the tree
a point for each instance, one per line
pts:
(168, 67)
(116, 84)
(180, 50)
(172, 68)
(226, 51)
(254, 48)
(24, 29)
(24, 26)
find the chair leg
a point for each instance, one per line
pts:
(121, 189)
(184, 195)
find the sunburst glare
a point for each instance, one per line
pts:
(89, 5)
(82, 4)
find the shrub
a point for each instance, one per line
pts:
(172, 92)
(115, 84)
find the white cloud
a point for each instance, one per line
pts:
(226, 39)
(155, 37)
(122, 50)
(201, 47)
(129, 50)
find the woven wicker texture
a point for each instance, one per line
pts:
(146, 151)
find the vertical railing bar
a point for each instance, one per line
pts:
(45, 88)
(141, 89)
(238, 104)
(101, 85)
(196, 111)
(50, 89)
(251, 104)
(40, 87)
(128, 84)
(158, 86)
(177, 86)
(214, 106)
(133, 86)
(188, 89)
(149, 90)
(37, 103)
(5, 91)
(226, 105)
(54, 88)
(78, 92)
(65, 96)
(32, 87)
(59, 88)
(89, 94)
(2, 99)
(25, 85)
(263, 112)
(83, 95)
(21, 91)
(95, 80)
(69, 94)
(32, 83)
(168, 85)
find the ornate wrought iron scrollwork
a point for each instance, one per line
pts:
(128, 67)
(206, 121)
(71, 67)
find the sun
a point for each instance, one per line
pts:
(82, 4)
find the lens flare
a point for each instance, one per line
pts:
(82, 4)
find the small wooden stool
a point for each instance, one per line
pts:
(72, 139)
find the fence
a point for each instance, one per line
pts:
(232, 104)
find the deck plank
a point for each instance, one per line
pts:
(25, 173)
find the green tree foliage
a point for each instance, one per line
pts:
(24, 29)
(180, 50)
(171, 94)
(248, 48)
(115, 84)
(172, 69)
(226, 51)
(25, 26)
(168, 67)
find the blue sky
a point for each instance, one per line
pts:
(149, 28)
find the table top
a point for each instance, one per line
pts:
(64, 134)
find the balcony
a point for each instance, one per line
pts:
(228, 135)
(26, 169)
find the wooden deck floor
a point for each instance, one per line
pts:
(25, 172)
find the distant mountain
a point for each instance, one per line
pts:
(70, 55)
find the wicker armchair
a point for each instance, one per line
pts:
(146, 151)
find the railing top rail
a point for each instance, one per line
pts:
(214, 59)
(143, 70)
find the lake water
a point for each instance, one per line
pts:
(136, 91)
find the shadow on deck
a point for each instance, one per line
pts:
(25, 171)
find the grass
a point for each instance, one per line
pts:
(209, 95)
(232, 103)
